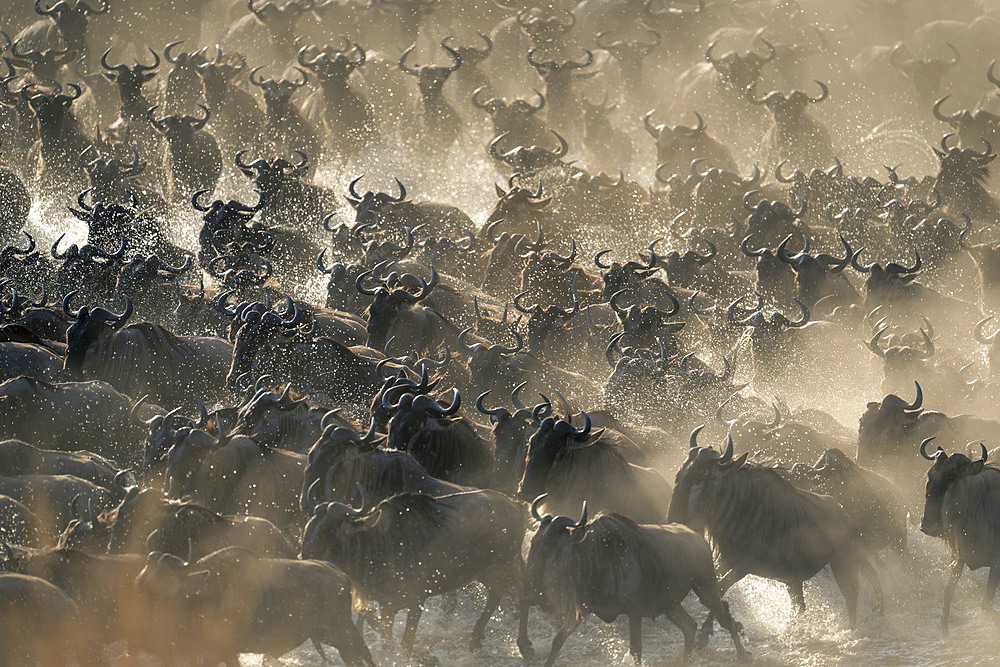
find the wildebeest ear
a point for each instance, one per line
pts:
(353, 203)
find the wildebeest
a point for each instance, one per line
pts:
(141, 358)
(960, 504)
(233, 601)
(444, 444)
(19, 458)
(572, 465)
(869, 499)
(413, 546)
(23, 640)
(612, 566)
(102, 585)
(341, 462)
(763, 525)
(234, 475)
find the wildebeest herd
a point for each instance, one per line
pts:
(257, 397)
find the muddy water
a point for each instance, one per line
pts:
(904, 632)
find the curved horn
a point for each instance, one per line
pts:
(923, 449)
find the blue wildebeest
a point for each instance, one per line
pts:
(761, 524)
(961, 501)
(613, 566)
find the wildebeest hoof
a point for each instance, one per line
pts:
(527, 652)
(704, 633)
(475, 643)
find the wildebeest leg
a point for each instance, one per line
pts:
(949, 592)
(871, 576)
(991, 590)
(710, 595)
(523, 642)
(635, 637)
(845, 572)
(493, 597)
(688, 626)
(798, 598)
(559, 640)
(410, 632)
(730, 579)
(319, 649)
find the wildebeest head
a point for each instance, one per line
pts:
(222, 215)
(372, 206)
(90, 333)
(925, 73)
(971, 126)
(415, 412)
(882, 282)
(160, 430)
(333, 66)
(623, 276)
(327, 520)
(513, 117)
(518, 208)
(145, 276)
(945, 471)
(963, 171)
(900, 359)
(254, 330)
(217, 73)
(544, 322)
(336, 448)
(548, 271)
(545, 30)
(703, 464)
(45, 64)
(679, 145)
(242, 265)
(739, 71)
(393, 388)
(272, 173)
(554, 534)
(185, 458)
(510, 431)
(280, 20)
(278, 92)
(681, 268)
(430, 78)
(130, 79)
(553, 437)
(833, 467)
(883, 424)
(772, 221)
(496, 365)
(52, 108)
(87, 530)
(110, 179)
(526, 159)
(72, 21)
(787, 110)
(266, 415)
(179, 129)
(815, 275)
(645, 326)
(387, 305)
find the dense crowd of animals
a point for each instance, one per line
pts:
(238, 414)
